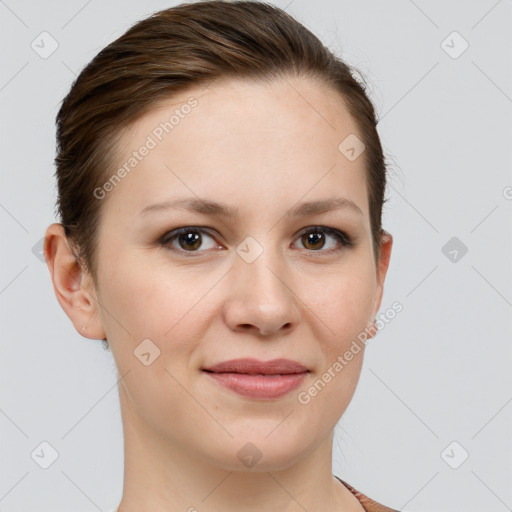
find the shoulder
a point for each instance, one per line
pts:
(368, 504)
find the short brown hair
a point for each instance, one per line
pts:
(174, 49)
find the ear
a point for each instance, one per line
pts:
(382, 269)
(73, 287)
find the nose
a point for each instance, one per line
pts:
(261, 298)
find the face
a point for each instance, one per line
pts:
(265, 254)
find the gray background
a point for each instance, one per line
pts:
(438, 373)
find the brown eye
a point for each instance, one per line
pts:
(324, 239)
(313, 240)
(188, 240)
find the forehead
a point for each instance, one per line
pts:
(291, 104)
(244, 140)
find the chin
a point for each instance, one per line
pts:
(260, 452)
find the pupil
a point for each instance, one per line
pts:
(314, 238)
(191, 240)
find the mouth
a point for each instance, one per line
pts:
(258, 379)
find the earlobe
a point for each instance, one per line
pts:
(68, 279)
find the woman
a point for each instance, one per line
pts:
(221, 183)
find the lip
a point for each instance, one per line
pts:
(255, 366)
(258, 379)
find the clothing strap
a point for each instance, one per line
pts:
(368, 504)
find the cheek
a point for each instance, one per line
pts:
(146, 299)
(344, 304)
(166, 306)
(344, 307)
(147, 305)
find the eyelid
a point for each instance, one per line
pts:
(344, 240)
(166, 240)
(336, 233)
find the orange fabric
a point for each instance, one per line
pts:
(368, 504)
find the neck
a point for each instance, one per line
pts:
(162, 477)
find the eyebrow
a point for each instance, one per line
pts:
(207, 207)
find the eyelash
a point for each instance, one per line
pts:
(343, 239)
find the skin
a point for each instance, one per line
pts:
(261, 149)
